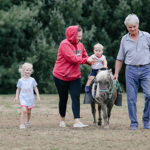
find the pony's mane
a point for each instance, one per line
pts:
(102, 75)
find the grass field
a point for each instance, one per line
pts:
(45, 134)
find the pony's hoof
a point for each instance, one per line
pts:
(99, 123)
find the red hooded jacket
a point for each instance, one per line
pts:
(70, 55)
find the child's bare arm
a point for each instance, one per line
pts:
(37, 93)
(105, 63)
(17, 95)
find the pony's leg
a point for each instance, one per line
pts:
(105, 116)
(100, 118)
(93, 112)
(109, 108)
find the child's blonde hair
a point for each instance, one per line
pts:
(98, 46)
(24, 66)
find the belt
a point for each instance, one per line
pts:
(141, 65)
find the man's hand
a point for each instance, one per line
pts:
(115, 77)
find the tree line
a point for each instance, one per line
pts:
(31, 31)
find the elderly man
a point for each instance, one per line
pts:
(135, 52)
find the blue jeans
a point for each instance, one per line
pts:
(63, 87)
(135, 77)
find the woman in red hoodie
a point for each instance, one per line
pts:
(67, 74)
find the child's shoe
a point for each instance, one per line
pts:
(22, 126)
(87, 88)
(28, 124)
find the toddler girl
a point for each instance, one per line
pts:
(25, 91)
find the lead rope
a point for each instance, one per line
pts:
(117, 85)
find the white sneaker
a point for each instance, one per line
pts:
(28, 124)
(79, 125)
(22, 126)
(62, 124)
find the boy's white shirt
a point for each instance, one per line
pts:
(99, 63)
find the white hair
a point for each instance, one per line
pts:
(24, 66)
(131, 19)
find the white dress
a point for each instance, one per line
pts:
(26, 94)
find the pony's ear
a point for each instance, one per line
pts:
(110, 70)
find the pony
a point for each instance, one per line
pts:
(104, 93)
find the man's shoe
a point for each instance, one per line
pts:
(79, 125)
(22, 126)
(147, 126)
(133, 127)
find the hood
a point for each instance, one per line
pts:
(71, 34)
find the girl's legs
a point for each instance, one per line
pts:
(28, 115)
(22, 117)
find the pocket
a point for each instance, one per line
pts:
(66, 75)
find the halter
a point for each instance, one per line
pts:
(110, 89)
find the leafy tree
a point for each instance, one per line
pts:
(31, 30)
(17, 32)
